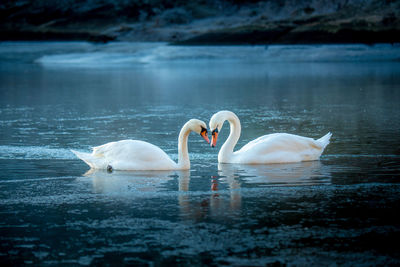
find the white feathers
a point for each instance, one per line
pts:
(135, 155)
(271, 148)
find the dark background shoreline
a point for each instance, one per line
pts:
(221, 22)
(228, 38)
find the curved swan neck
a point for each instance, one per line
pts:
(183, 155)
(234, 135)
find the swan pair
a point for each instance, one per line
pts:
(271, 148)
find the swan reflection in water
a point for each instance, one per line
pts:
(222, 198)
(119, 182)
(195, 202)
(239, 177)
(289, 174)
(209, 203)
(227, 192)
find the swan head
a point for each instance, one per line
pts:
(216, 122)
(199, 127)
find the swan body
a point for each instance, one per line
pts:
(271, 148)
(139, 155)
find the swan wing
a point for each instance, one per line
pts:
(129, 149)
(133, 155)
(282, 141)
(279, 148)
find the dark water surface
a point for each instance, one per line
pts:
(343, 209)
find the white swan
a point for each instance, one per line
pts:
(139, 155)
(271, 148)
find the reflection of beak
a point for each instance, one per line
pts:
(214, 138)
(205, 136)
(214, 184)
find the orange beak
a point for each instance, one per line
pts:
(205, 136)
(214, 138)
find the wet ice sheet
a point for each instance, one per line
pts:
(340, 210)
(162, 217)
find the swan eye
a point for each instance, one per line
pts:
(203, 130)
(215, 131)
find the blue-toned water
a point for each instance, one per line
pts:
(341, 210)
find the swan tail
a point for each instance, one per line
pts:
(324, 140)
(86, 157)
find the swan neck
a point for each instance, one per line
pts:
(234, 135)
(183, 155)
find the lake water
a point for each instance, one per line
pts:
(343, 209)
